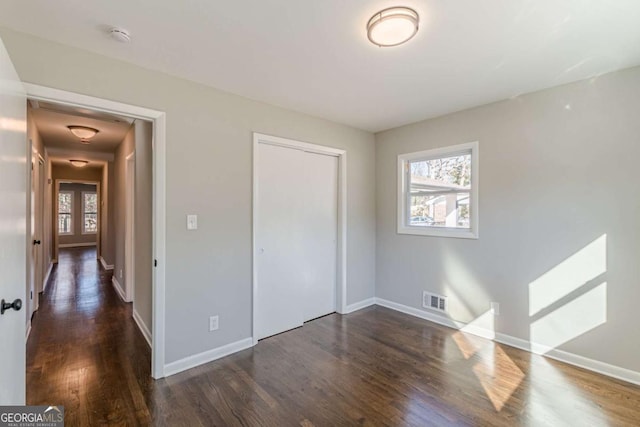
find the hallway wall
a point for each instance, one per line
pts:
(45, 237)
(142, 303)
(126, 147)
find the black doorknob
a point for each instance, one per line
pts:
(16, 305)
(36, 242)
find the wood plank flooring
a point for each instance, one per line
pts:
(373, 367)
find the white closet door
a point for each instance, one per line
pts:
(278, 240)
(319, 232)
(296, 228)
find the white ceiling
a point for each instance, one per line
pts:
(314, 57)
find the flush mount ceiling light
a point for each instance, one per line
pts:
(83, 132)
(393, 26)
(79, 163)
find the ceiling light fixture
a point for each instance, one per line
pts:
(393, 26)
(83, 132)
(79, 163)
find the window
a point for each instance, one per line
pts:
(89, 213)
(438, 192)
(65, 212)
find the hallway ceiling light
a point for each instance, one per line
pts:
(83, 132)
(393, 26)
(79, 163)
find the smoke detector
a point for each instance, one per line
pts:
(120, 34)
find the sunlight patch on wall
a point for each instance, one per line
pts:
(13, 125)
(483, 325)
(576, 317)
(572, 273)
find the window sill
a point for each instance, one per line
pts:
(439, 232)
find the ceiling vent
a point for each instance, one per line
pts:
(120, 34)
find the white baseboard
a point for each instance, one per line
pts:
(76, 245)
(359, 305)
(143, 328)
(118, 288)
(105, 265)
(46, 277)
(560, 355)
(206, 356)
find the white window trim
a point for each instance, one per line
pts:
(83, 212)
(73, 195)
(403, 159)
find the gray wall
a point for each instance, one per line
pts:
(126, 147)
(143, 215)
(209, 169)
(557, 172)
(40, 270)
(107, 238)
(77, 236)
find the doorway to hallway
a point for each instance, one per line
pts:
(85, 351)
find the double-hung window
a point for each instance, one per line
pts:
(89, 212)
(65, 212)
(438, 192)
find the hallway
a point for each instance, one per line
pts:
(85, 351)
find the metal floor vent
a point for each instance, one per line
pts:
(434, 301)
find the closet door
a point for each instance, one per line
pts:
(296, 227)
(319, 234)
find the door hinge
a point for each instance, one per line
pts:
(155, 262)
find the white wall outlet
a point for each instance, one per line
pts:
(121, 273)
(213, 323)
(192, 222)
(495, 308)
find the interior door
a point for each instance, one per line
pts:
(40, 265)
(31, 244)
(296, 237)
(13, 238)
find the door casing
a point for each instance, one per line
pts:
(158, 119)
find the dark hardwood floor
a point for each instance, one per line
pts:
(373, 367)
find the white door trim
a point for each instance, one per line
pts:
(341, 279)
(158, 118)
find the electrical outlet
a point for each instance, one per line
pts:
(495, 308)
(213, 323)
(121, 273)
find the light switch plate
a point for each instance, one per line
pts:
(192, 222)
